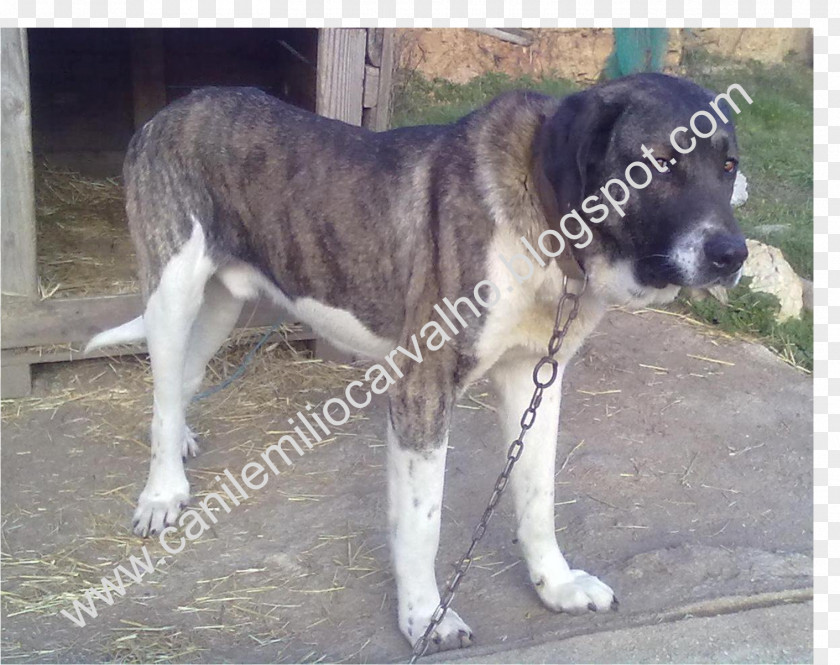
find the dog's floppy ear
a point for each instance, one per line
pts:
(567, 152)
(572, 144)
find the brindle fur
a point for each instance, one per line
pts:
(385, 226)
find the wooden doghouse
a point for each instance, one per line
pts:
(47, 87)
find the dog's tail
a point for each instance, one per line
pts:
(133, 331)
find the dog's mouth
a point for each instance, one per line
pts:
(660, 273)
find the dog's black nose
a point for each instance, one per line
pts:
(725, 252)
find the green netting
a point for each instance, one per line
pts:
(637, 50)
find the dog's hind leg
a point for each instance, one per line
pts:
(215, 319)
(170, 313)
(417, 440)
(532, 486)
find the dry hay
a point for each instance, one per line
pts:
(110, 402)
(83, 243)
(140, 643)
(42, 583)
(105, 395)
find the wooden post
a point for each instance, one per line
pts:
(19, 265)
(19, 271)
(341, 73)
(375, 37)
(378, 79)
(148, 80)
(382, 120)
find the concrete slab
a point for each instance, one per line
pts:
(779, 634)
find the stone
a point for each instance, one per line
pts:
(772, 274)
(739, 193)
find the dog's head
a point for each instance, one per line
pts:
(666, 220)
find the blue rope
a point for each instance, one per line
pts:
(242, 366)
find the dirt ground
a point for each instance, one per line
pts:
(684, 481)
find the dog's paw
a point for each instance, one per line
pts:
(452, 633)
(189, 444)
(157, 510)
(577, 593)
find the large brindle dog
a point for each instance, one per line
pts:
(232, 194)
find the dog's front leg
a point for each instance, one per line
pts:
(532, 486)
(415, 493)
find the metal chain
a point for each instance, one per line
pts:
(561, 327)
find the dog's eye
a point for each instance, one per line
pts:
(730, 165)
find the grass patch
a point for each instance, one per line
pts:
(754, 314)
(419, 101)
(776, 139)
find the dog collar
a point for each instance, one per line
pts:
(567, 260)
(569, 264)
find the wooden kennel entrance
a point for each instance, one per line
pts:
(72, 98)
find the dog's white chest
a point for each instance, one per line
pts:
(523, 318)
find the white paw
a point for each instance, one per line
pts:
(189, 445)
(451, 633)
(577, 593)
(157, 509)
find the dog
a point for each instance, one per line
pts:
(232, 194)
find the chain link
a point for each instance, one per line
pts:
(561, 328)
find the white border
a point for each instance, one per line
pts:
(584, 13)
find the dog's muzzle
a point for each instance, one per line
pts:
(707, 257)
(724, 255)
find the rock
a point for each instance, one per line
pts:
(772, 274)
(764, 44)
(739, 193)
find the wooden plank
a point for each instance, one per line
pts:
(40, 355)
(371, 96)
(67, 353)
(341, 73)
(16, 364)
(63, 320)
(76, 320)
(148, 76)
(19, 272)
(382, 117)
